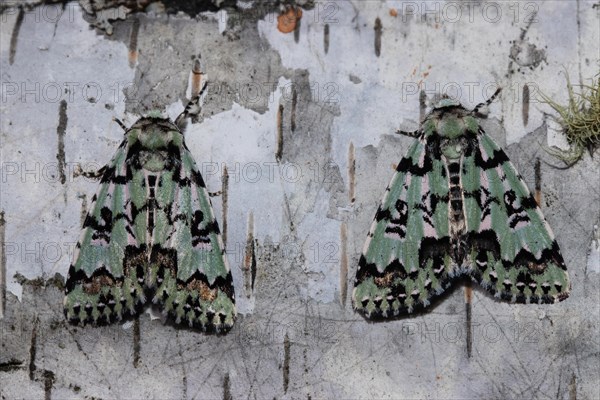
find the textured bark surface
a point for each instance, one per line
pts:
(297, 131)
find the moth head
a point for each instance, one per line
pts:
(446, 102)
(155, 132)
(450, 120)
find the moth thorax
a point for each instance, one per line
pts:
(453, 148)
(156, 136)
(153, 160)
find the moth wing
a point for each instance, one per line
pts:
(189, 267)
(513, 252)
(100, 285)
(405, 261)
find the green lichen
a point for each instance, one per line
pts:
(580, 121)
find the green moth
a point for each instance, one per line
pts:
(151, 235)
(456, 207)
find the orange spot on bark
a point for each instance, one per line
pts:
(196, 81)
(393, 12)
(468, 294)
(538, 197)
(132, 58)
(286, 22)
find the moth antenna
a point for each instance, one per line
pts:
(89, 174)
(193, 107)
(414, 134)
(121, 124)
(487, 102)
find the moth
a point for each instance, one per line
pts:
(456, 207)
(151, 235)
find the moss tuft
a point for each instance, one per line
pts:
(580, 120)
